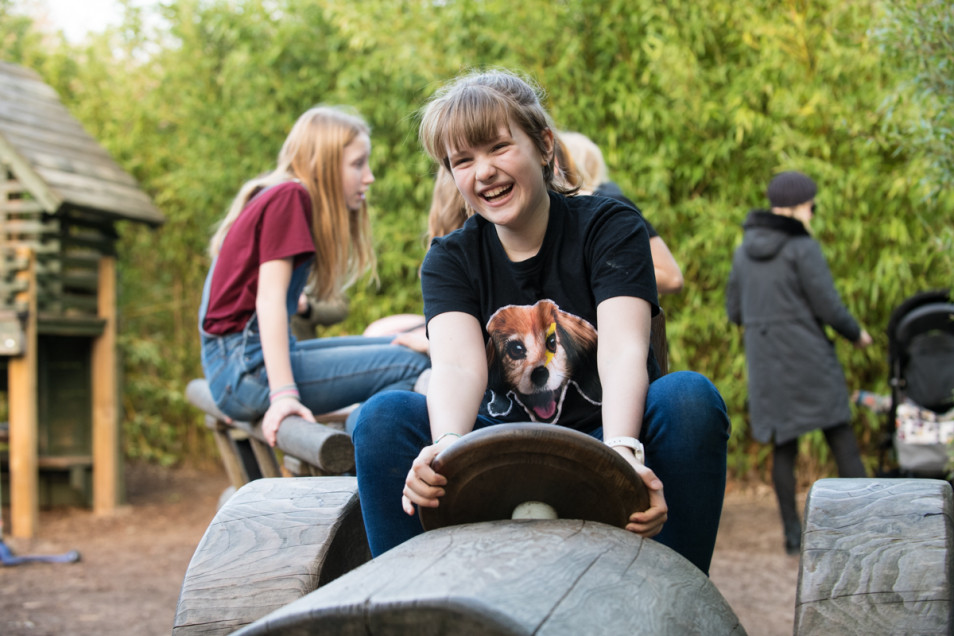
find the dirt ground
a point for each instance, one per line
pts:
(133, 561)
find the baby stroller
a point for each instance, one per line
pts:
(921, 367)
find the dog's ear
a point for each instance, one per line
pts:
(496, 379)
(578, 339)
(497, 401)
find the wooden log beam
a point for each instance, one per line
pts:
(272, 542)
(327, 448)
(561, 577)
(876, 558)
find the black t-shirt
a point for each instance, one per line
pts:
(539, 315)
(613, 191)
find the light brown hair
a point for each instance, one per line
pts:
(470, 110)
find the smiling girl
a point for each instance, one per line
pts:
(306, 221)
(539, 309)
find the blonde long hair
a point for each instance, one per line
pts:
(588, 158)
(312, 155)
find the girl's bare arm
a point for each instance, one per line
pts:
(458, 381)
(622, 349)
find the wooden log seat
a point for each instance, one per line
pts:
(545, 577)
(876, 558)
(272, 542)
(309, 449)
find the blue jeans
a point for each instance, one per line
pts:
(331, 373)
(685, 432)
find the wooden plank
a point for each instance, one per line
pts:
(273, 541)
(35, 227)
(876, 558)
(92, 189)
(59, 325)
(48, 141)
(69, 160)
(20, 206)
(24, 438)
(84, 304)
(38, 189)
(566, 577)
(23, 82)
(39, 249)
(106, 448)
(48, 115)
(8, 184)
(61, 462)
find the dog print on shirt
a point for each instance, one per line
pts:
(536, 353)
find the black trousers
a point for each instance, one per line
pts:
(844, 447)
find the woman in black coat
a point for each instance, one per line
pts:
(782, 292)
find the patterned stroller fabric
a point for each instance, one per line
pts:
(921, 358)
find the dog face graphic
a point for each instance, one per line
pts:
(535, 353)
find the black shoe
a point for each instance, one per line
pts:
(793, 548)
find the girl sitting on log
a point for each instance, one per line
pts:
(513, 302)
(305, 221)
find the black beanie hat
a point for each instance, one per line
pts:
(789, 189)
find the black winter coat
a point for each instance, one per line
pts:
(782, 292)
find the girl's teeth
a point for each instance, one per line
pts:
(496, 193)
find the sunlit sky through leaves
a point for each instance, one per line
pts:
(76, 18)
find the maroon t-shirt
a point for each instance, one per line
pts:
(275, 225)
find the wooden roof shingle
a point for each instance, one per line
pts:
(55, 158)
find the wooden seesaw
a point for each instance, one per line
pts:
(289, 556)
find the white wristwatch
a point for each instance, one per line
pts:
(629, 442)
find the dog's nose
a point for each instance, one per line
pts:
(539, 376)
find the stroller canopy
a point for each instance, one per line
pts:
(921, 349)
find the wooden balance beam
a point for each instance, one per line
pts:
(309, 448)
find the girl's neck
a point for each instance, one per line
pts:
(524, 242)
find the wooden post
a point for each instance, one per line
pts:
(22, 392)
(877, 558)
(271, 543)
(106, 450)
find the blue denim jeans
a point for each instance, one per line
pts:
(331, 373)
(685, 432)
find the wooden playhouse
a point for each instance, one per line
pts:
(61, 195)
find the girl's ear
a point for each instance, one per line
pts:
(548, 142)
